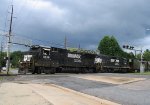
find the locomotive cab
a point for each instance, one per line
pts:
(38, 60)
(26, 63)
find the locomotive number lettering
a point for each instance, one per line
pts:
(77, 60)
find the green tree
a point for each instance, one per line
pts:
(104, 45)
(2, 60)
(114, 47)
(16, 56)
(146, 55)
(110, 46)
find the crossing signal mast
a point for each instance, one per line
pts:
(132, 48)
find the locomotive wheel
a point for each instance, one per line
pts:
(53, 71)
(38, 70)
(33, 67)
(82, 70)
(46, 71)
(33, 70)
(60, 70)
(99, 68)
(112, 70)
(23, 71)
(77, 70)
(95, 70)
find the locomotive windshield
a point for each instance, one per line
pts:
(46, 51)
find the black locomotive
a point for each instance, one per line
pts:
(40, 59)
(49, 60)
(113, 64)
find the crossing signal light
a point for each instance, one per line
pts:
(128, 47)
(124, 46)
(131, 47)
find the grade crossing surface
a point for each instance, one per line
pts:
(126, 89)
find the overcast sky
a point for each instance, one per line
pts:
(83, 22)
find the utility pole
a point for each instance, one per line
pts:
(135, 53)
(1, 56)
(141, 64)
(8, 42)
(1, 49)
(65, 43)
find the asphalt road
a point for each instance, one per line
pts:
(135, 93)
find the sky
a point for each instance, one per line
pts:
(83, 22)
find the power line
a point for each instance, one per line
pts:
(16, 36)
(43, 41)
(34, 39)
(21, 44)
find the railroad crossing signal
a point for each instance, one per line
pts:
(132, 48)
(128, 47)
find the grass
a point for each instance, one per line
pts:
(1, 72)
(1, 78)
(145, 73)
(5, 73)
